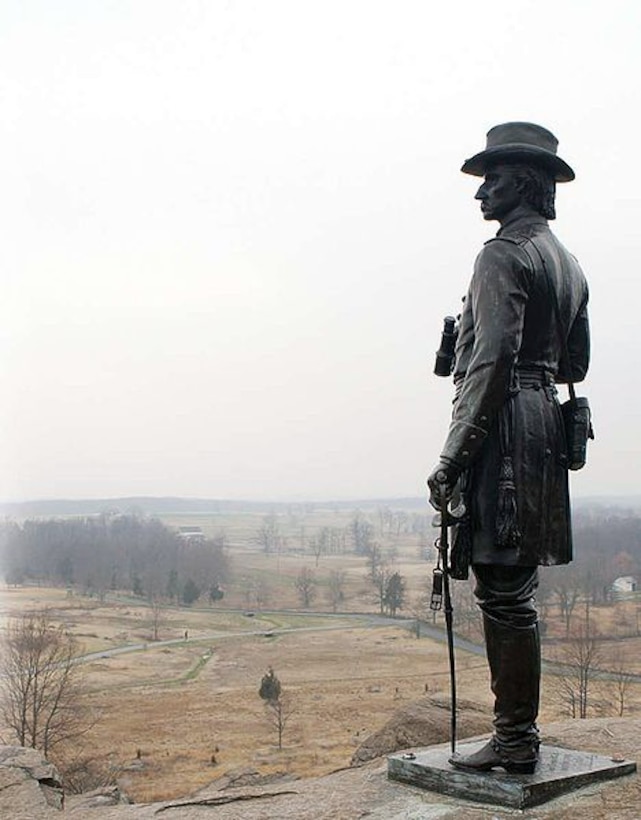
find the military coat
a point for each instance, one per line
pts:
(508, 362)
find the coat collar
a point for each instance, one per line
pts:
(521, 223)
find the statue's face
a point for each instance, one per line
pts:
(498, 194)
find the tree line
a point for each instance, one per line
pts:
(113, 552)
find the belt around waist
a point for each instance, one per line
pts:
(534, 377)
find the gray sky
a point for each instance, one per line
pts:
(232, 229)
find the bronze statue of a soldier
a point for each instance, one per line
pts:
(506, 446)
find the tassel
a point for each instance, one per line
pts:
(507, 528)
(461, 552)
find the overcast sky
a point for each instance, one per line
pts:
(231, 230)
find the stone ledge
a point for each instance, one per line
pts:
(28, 782)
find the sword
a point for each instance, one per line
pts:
(441, 598)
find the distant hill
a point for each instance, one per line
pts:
(623, 503)
(50, 508)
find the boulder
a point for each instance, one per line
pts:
(103, 796)
(29, 784)
(425, 722)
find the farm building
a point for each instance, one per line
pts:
(191, 534)
(625, 585)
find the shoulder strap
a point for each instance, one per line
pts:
(513, 240)
(565, 356)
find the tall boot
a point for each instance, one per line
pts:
(514, 657)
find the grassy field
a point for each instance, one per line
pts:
(172, 716)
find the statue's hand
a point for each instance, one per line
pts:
(441, 483)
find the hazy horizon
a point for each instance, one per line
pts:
(232, 230)
(580, 498)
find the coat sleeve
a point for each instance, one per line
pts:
(498, 295)
(578, 344)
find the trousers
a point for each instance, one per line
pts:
(505, 595)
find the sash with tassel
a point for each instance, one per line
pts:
(507, 525)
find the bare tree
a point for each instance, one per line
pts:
(384, 519)
(579, 657)
(467, 617)
(336, 588)
(257, 592)
(319, 543)
(420, 605)
(306, 586)
(268, 536)
(277, 705)
(83, 772)
(41, 686)
(158, 616)
(337, 537)
(380, 579)
(567, 588)
(623, 679)
(375, 561)
(400, 521)
(362, 533)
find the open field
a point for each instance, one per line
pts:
(174, 717)
(404, 537)
(180, 704)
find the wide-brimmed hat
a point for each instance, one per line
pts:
(519, 142)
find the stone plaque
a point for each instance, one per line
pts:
(559, 771)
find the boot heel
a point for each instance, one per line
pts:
(526, 767)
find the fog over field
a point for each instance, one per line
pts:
(231, 231)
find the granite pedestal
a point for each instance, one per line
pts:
(559, 771)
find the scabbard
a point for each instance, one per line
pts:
(449, 617)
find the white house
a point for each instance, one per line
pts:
(624, 585)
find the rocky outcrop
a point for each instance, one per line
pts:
(104, 796)
(349, 794)
(425, 722)
(29, 785)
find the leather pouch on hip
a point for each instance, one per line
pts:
(577, 421)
